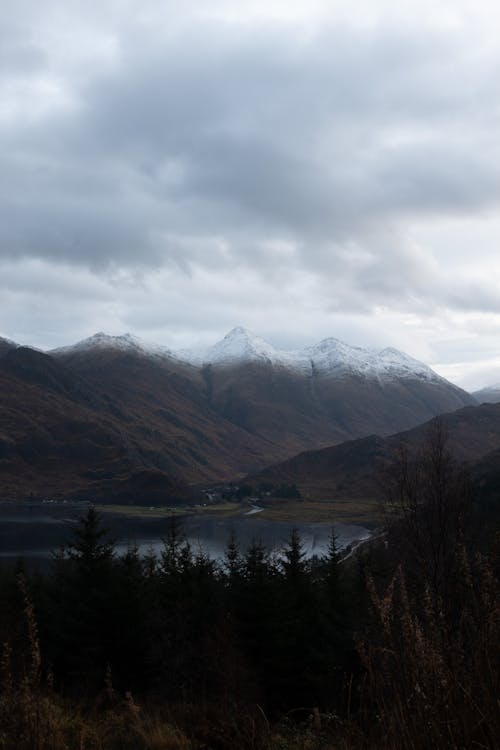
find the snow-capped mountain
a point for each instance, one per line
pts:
(6, 345)
(330, 357)
(241, 345)
(124, 416)
(125, 342)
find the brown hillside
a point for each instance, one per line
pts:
(352, 470)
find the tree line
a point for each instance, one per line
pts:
(397, 647)
(271, 629)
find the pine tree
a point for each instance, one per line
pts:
(331, 567)
(294, 558)
(233, 561)
(83, 593)
(91, 547)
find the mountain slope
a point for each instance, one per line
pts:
(6, 345)
(323, 394)
(352, 470)
(113, 416)
(164, 405)
(488, 395)
(59, 436)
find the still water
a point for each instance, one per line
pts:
(33, 530)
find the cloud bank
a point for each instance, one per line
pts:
(176, 171)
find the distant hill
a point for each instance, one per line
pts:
(489, 395)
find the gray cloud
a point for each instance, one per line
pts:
(211, 131)
(133, 148)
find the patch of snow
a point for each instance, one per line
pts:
(6, 345)
(330, 357)
(490, 388)
(489, 394)
(241, 345)
(126, 343)
(9, 342)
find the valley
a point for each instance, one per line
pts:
(220, 519)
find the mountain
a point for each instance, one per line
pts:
(352, 470)
(6, 345)
(490, 394)
(114, 417)
(330, 358)
(60, 436)
(322, 394)
(162, 403)
(125, 343)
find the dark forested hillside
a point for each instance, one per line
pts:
(381, 650)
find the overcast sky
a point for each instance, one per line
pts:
(305, 169)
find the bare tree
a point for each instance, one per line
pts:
(428, 499)
(432, 647)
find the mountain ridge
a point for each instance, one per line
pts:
(353, 470)
(490, 394)
(329, 357)
(110, 417)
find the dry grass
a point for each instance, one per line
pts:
(42, 721)
(33, 717)
(224, 509)
(434, 673)
(346, 510)
(139, 511)
(366, 513)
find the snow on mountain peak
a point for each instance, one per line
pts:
(125, 342)
(239, 345)
(329, 357)
(7, 345)
(334, 357)
(8, 342)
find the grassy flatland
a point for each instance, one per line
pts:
(140, 511)
(365, 512)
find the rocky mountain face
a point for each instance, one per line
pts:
(114, 417)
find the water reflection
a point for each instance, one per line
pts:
(34, 530)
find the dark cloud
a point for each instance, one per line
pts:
(217, 132)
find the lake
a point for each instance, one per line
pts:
(33, 529)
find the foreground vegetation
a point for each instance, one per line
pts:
(396, 648)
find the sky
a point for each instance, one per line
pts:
(304, 169)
